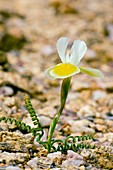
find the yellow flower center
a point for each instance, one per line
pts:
(64, 69)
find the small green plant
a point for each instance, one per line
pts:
(65, 71)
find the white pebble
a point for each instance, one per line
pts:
(33, 163)
(13, 168)
(73, 155)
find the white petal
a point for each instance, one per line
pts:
(61, 47)
(78, 50)
(91, 71)
(67, 57)
(47, 73)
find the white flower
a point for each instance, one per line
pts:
(70, 61)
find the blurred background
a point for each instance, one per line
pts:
(31, 28)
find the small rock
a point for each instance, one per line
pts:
(86, 111)
(39, 163)
(33, 163)
(103, 139)
(15, 141)
(99, 121)
(13, 157)
(109, 123)
(109, 136)
(70, 163)
(102, 128)
(73, 159)
(82, 167)
(13, 168)
(45, 121)
(98, 94)
(10, 101)
(85, 153)
(73, 155)
(56, 158)
(54, 155)
(48, 111)
(81, 126)
(6, 90)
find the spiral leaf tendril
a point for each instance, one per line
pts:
(38, 131)
(74, 143)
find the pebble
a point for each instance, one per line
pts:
(72, 159)
(101, 128)
(99, 121)
(6, 90)
(48, 111)
(109, 136)
(98, 94)
(86, 111)
(81, 126)
(103, 139)
(70, 163)
(33, 163)
(109, 123)
(73, 155)
(39, 163)
(45, 121)
(13, 168)
(15, 141)
(82, 168)
(13, 157)
(10, 101)
(85, 153)
(54, 155)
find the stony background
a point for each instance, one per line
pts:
(29, 30)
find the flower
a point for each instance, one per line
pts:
(70, 60)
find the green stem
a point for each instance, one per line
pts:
(63, 96)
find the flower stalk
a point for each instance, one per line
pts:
(63, 96)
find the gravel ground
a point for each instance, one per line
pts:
(29, 30)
